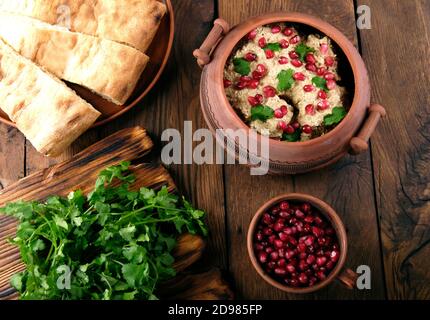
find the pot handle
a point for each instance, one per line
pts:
(359, 144)
(348, 278)
(202, 54)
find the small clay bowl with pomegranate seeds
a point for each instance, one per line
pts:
(324, 227)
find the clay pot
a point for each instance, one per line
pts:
(351, 135)
(346, 276)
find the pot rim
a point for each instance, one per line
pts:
(330, 215)
(354, 59)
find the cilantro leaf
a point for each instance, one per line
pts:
(337, 115)
(302, 50)
(242, 66)
(285, 79)
(293, 137)
(261, 112)
(274, 46)
(320, 83)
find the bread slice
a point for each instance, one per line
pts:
(108, 68)
(133, 22)
(47, 112)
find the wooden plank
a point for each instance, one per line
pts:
(175, 99)
(11, 155)
(347, 185)
(400, 76)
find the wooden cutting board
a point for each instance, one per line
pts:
(80, 172)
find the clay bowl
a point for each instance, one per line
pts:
(159, 53)
(346, 276)
(351, 135)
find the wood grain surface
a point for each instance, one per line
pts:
(382, 196)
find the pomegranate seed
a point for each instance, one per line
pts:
(288, 32)
(309, 240)
(284, 205)
(269, 91)
(322, 241)
(280, 271)
(276, 29)
(289, 254)
(329, 265)
(282, 125)
(298, 76)
(329, 76)
(299, 214)
(283, 60)
(324, 48)
(252, 34)
(227, 83)
(301, 247)
(321, 261)
(317, 232)
(294, 283)
(323, 105)
(307, 129)
(269, 250)
(297, 63)
(310, 58)
(258, 247)
(329, 231)
(318, 220)
(296, 126)
(283, 236)
(311, 67)
(281, 263)
(253, 84)
(334, 255)
(267, 232)
(308, 219)
(322, 94)
(290, 268)
(252, 101)
(306, 207)
(308, 88)
(284, 214)
(245, 79)
(281, 252)
(261, 68)
(240, 85)
(269, 54)
(274, 255)
(331, 84)
(278, 227)
(250, 56)
(321, 71)
(257, 75)
(267, 219)
(310, 109)
(295, 39)
(259, 98)
(321, 275)
(289, 129)
(284, 43)
(303, 278)
(293, 55)
(329, 61)
(278, 113)
(262, 42)
(271, 265)
(262, 257)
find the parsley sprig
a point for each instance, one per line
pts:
(116, 243)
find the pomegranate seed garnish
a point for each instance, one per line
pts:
(253, 84)
(298, 75)
(307, 129)
(324, 48)
(331, 84)
(311, 67)
(274, 255)
(278, 244)
(269, 54)
(308, 88)
(295, 125)
(269, 91)
(300, 215)
(295, 39)
(240, 85)
(310, 259)
(321, 261)
(329, 61)
(283, 60)
(262, 257)
(289, 129)
(321, 275)
(283, 236)
(318, 220)
(322, 94)
(252, 34)
(245, 79)
(269, 250)
(250, 56)
(281, 262)
(317, 231)
(290, 268)
(280, 271)
(227, 83)
(297, 63)
(284, 214)
(257, 75)
(310, 58)
(309, 240)
(301, 247)
(329, 265)
(252, 101)
(261, 68)
(289, 254)
(310, 109)
(262, 42)
(329, 75)
(288, 32)
(278, 113)
(334, 255)
(306, 207)
(276, 29)
(323, 105)
(282, 125)
(293, 55)
(321, 71)
(260, 100)
(284, 110)
(284, 43)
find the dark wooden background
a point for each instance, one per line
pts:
(382, 196)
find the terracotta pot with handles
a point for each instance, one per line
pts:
(351, 135)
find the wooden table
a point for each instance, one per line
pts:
(383, 196)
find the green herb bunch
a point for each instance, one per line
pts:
(114, 243)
